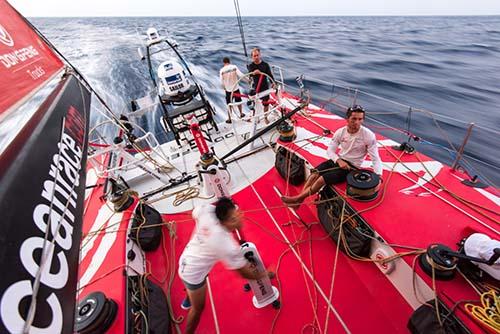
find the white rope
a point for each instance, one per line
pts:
(318, 287)
(214, 313)
(334, 272)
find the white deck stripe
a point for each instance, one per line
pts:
(453, 205)
(217, 330)
(103, 216)
(101, 252)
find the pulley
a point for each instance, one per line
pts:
(362, 185)
(95, 314)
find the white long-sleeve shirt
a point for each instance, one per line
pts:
(229, 75)
(354, 147)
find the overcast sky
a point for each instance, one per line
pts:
(254, 7)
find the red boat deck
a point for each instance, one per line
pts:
(363, 300)
(321, 289)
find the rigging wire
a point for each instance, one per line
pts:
(240, 25)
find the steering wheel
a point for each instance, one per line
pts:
(259, 95)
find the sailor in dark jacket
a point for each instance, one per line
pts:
(260, 81)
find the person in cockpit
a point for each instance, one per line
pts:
(355, 141)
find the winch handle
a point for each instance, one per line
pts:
(489, 262)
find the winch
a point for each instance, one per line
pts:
(440, 261)
(286, 131)
(95, 314)
(362, 185)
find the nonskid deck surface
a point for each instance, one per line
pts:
(304, 284)
(412, 210)
(397, 217)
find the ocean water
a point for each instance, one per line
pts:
(445, 65)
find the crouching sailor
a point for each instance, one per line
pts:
(211, 241)
(355, 141)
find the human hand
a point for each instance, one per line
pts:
(342, 164)
(256, 72)
(270, 272)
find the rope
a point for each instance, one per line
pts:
(434, 181)
(335, 261)
(488, 312)
(181, 196)
(315, 324)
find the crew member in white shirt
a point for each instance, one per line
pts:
(355, 141)
(229, 75)
(211, 241)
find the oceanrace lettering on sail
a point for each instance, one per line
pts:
(59, 201)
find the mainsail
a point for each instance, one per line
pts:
(42, 181)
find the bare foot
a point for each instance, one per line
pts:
(292, 202)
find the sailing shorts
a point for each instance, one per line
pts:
(264, 99)
(332, 173)
(236, 96)
(192, 287)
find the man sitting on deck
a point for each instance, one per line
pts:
(211, 242)
(355, 142)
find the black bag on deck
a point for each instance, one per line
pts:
(147, 297)
(355, 230)
(424, 321)
(290, 166)
(148, 238)
(158, 313)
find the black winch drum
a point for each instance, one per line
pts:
(95, 314)
(362, 185)
(287, 132)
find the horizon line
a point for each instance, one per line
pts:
(252, 16)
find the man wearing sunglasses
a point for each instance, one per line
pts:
(355, 141)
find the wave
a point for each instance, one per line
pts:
(398, 65)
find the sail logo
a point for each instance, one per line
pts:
(5, 37)
(58, 203)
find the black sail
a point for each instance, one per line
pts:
(42, 188)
